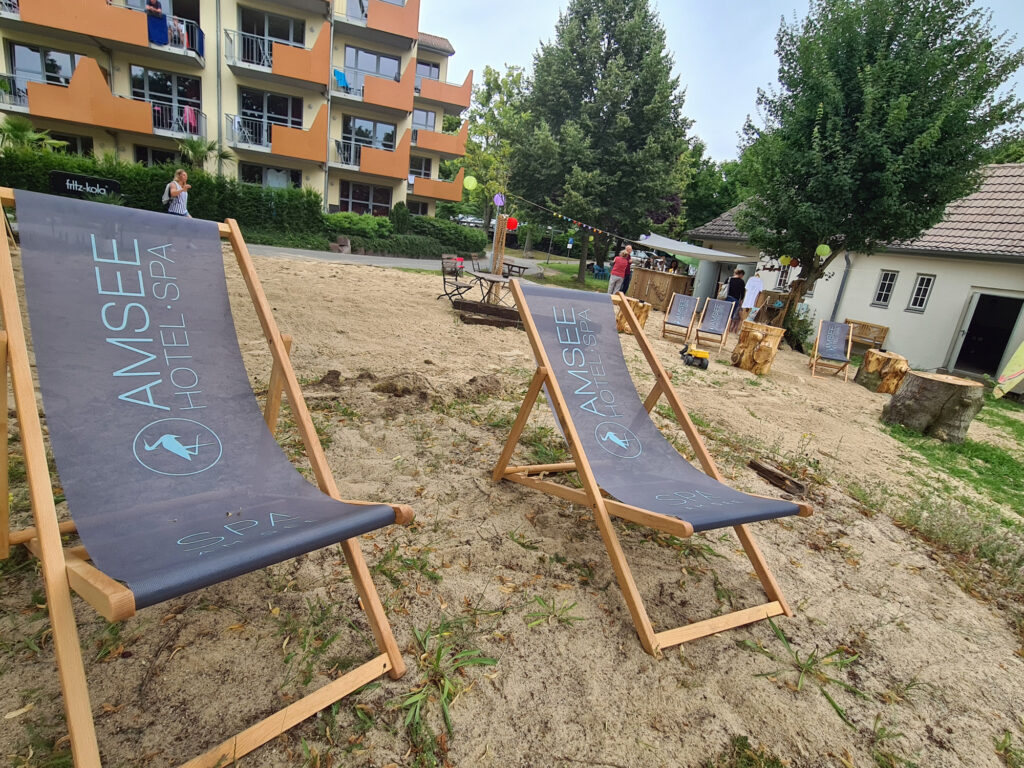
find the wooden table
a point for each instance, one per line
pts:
(514, 267)
(656, 288)
(493, 288)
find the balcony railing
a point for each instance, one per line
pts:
(248, 130)
(347, 152)
(352, 82)
(14, 88)
(170, 31)
(181, 119)
(9, 6)
(358, 10)
(247, 48)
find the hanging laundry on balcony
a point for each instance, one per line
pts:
(190, 120)
(157, 29)
(341, 80)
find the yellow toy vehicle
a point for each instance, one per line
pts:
(697, 357)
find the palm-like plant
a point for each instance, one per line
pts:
(17, 132)
(195, 152)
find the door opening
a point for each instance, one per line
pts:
(988, 333)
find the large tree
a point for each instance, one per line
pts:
(605, 129)
(879, 122)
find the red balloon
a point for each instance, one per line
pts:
(512, 223)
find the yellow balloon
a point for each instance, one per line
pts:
(469, 183)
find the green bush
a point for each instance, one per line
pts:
(312, 241)
(400, 218)
(452, 237)
(356, 225)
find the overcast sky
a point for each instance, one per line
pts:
(723, 50)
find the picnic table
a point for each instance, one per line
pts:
(493, 288)
(514, 267)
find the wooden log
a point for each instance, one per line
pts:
(778, 478)
(755, 350)
(641, 309)
(935, 404)
(882, 371)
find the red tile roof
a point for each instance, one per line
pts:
(436, 43)
(988, 223)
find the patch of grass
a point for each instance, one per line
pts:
(44, 751)
(391, 565)
(309, 637)
(522, 541)
(443, 662)
(818, 669)
(1013, 757)
(739, 754)
(549, 612)
(881, 734)
(546, 445)
(564, 274)
(986, 468)
(1004, 414)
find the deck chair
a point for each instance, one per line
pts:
(832, 348)
(617, 449)
(172, 477)
(454, 287)
(715, 319)
(680, 315)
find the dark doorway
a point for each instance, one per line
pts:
(988, 333)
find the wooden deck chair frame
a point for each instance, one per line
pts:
(590, 495)
(835, 366)
(668, 330)
(69, 569)
(724, 337)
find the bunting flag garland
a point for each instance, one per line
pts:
(576, 222)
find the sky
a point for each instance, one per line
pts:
(723, 50)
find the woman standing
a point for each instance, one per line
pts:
(178, 192)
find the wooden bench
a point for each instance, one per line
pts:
(868, 333)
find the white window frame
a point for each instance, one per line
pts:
(923, 285)
(876, 302)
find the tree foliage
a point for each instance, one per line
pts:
(603, 129)
(880, 120)
(712, 188)
(17, 132)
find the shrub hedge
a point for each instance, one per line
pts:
(452, 236)
(356, 225)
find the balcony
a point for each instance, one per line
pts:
(264, 58)
(262, 135)
(378, 161)
(379, 94)
(179, 121)
(85, 99)
(123, 28)
(390, 22)
(437, 189)
(454, 98)
(448, 145)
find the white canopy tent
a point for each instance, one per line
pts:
(659, 243)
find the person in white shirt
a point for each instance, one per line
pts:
(178, 192)
(753, 288)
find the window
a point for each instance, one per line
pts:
(260, 110)
(886, 282)
(419, 166)
(177, 100)
(418, 207)
(154, 156)
(258, 31)
(922, 290)
(265, 176)
(785, 275)
(364, 198)
(372, 63)
(422, 118)
(359, 132)
(32, 63)
(77, 145)
(428, 69)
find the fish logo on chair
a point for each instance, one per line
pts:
(618, 440)
(177, 447)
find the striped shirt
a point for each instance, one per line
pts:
(179, 204)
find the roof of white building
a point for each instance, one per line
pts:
(989, 222)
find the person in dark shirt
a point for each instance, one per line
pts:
(737, 289)
(154, 8)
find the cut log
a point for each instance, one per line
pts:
(778, 478)
(935, 404)
(641, 309)
(756, 348)
(882, 371)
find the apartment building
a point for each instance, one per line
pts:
(347, 97)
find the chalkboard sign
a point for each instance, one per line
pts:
(716, 316)
(833, 341)
(77, 185)
(682, 310)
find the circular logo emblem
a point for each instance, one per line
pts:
(617, 440)
(177, 447)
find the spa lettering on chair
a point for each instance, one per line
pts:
(235, 532)
(153, 337)
(584, 363)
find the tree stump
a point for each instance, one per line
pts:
(641, 309)
(935, 404)
(882, 371)
(755, 350)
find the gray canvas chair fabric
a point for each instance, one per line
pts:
(679, 318)
(617, 450)
(714, 322)
(832, 348)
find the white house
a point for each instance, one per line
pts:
(953, 299)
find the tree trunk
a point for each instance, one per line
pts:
(935, 404)
(756, 348)
(882, 371)
(581, 276)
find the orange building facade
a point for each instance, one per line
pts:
(347, 97)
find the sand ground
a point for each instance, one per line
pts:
(417, 412)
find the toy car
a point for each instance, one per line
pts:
(697, 357)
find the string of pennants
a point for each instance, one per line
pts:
(580, 224)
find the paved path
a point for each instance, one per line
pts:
(348, 258)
